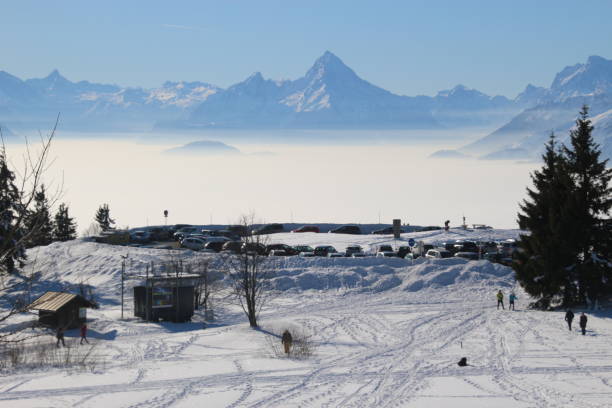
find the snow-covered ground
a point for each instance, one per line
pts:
(387, 332)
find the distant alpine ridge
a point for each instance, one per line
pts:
(329, 95)
(553, 109)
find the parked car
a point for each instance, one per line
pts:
(507, 248)
(323, 250)
(304, 250)
(278, 252)
(386, 231)
(467, 255)
(307, 228)
(385, 251)
(336, 254)
(438, 254)
(403, 250)
(174, 228)
(207, 238)
(409, 256)
(160, 233)
(281, 247)
(183, 232)
(216, 246)
(467, 246)
(268, 229)
(232, 246)
(253, 248)
(193, 243)
(141, 237)
(429, 228)
(354, 249)
(347, 229)
(239, 230)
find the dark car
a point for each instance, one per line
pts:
(269, 229)
(324, 250)
(281, 247)
(160, 234)
(466, 246)
(386, 231)
(253, 248)
(232, 246)
(347, 229)
(403, 250)
(307, 228)
(216, 246)
(239, 230)
(183, 232)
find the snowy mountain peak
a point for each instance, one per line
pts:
(594, 77)
(329, 65)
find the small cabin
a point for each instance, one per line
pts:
(166, 298)
(61, 309)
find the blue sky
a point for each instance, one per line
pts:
(408, 47)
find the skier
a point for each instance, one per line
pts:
(511, 298)
(500, 300)
(287, 340)
(583, 322)
(59, 335)
(569, 316)
(84, 333)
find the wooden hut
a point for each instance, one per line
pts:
(166, 298)
(61, 309)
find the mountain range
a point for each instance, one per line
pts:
(329, 95)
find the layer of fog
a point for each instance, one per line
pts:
(363, 182)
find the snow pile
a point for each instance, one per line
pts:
(381, 274)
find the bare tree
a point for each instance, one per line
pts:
(249, 272)
(17, 230)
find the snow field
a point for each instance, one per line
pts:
(377, 343)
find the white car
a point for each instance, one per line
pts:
(438, 254)
(193, 243)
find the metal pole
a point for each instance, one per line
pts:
(122, 279)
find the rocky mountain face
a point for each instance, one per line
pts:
(329, 95)
(554, 109)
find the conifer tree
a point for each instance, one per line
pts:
(38, 223)
(10, 211)
(103, 218)
(64, 225)
(544, 254)
(589, 208)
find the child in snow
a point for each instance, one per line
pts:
(60, 337)
(511, 298)
(84, 333)
(569, 316)
(583, 322)
(500, 300)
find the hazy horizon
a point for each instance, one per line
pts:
(339, 183)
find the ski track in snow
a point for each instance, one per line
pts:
(389, 348)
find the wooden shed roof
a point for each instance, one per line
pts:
(53, 301)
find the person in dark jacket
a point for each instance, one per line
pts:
(569, 316)
(287, 341)
(84, 333)
(583, 322)
(59, 335)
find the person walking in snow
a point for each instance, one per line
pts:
(583, 322)
(569, 316)
(500, 300)
(511, 299)
(59, 335)
(287, 340)
(84, 333)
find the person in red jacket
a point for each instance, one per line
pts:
(84, 333)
